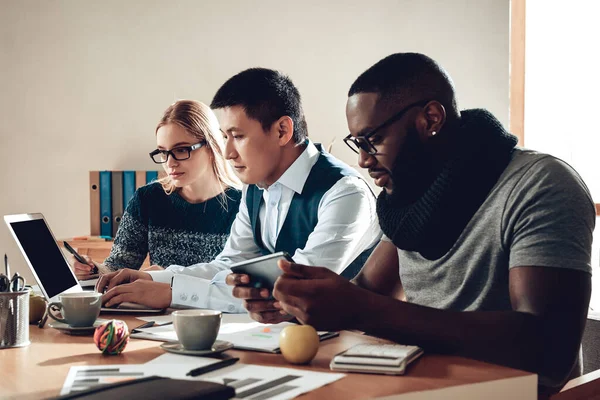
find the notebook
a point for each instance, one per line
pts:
(47, 262)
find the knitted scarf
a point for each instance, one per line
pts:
(431, 220)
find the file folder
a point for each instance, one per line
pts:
(117, 200)
(128, 187)
(140, 179)
(151, 176)
(105, 204)
(94, 203)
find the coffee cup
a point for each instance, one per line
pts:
(197, 329)
(77, 309)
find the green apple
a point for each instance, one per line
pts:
(299, 343)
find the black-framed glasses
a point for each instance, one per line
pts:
(363, 143)
(178, 153)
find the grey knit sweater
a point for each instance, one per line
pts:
(171, 230)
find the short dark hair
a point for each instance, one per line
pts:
(266, 95)
(407, 77)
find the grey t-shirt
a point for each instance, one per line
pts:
(539, 213)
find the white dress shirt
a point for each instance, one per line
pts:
(347, 225)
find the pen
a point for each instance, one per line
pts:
(212, 367)
(6, 267)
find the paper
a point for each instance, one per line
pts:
(249, 381)
(239, 329)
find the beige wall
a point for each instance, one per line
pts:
(83, 83)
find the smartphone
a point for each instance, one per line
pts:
(263, 271)
(78, 257)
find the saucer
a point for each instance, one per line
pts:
(76, 330)
(217, 347)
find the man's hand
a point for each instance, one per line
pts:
(317, 296)
(125, 275)
(145, 292)
(82, 271)
(256, 301)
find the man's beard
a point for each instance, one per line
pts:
(413, 172)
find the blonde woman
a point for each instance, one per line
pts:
(184, 218)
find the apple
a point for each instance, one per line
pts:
(299, 343)
(37, 307)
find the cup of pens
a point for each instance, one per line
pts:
(14, 310)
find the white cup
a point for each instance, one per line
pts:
(77, 309)
(197, 329)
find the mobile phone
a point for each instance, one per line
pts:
(263, 271)
(78, 257)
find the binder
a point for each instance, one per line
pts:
(128, 187)
(94, 203)
(117, 200)
(151, 176)
(105, 204)
(140, 179)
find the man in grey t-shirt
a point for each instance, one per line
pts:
(487, 246)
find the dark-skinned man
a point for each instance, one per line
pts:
(487, 246)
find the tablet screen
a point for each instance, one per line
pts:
(44, 256)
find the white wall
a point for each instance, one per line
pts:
(561, 93)
(83, 83)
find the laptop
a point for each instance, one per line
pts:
(48, 263)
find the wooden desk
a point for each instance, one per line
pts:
(39, 370)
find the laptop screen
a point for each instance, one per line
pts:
(44, 256)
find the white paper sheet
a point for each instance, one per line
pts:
(239, 329)
(258, 382)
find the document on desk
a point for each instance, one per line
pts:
(249, 381)
(239, 329)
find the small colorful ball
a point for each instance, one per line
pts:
(111, 337)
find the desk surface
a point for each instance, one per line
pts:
(39, 370)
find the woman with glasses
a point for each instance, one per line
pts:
(185, 217)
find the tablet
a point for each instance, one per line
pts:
(263, 271)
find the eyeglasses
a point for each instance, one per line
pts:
(363, 143)
(178, 153)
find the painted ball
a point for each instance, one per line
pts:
(111, 337)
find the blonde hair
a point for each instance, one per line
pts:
(199, 121)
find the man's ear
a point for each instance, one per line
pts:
(284, 128)
(431, 121)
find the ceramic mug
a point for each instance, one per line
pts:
(197, 329)
(77, 309)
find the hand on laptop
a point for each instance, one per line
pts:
(122, 276)
(256, 300)
(142, 291)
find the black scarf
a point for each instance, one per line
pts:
(431, 223)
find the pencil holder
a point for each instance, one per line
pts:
(14, 319)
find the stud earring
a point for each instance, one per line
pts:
(433, 133)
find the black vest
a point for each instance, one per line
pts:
(302, 216)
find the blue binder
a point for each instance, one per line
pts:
(128, 186)
(105, 204)
(151, 176)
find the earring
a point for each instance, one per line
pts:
(433, 133)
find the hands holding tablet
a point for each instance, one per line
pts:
(253, 281)
(315, 296)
